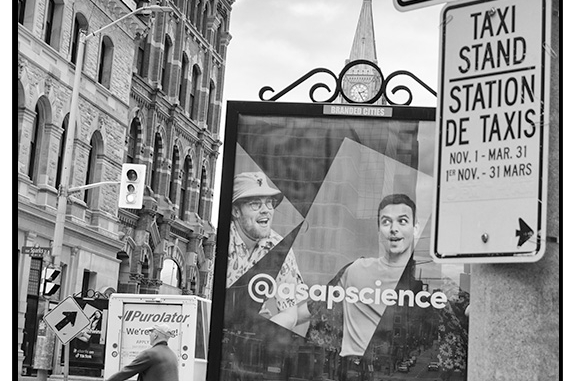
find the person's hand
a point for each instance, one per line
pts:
(286, 318)
(303, 314)
(265, 312)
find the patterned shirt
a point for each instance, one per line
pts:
(240, 261)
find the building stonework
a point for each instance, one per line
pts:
(150, 93)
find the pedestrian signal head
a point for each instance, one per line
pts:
(51, 281)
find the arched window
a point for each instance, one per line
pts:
(170, 274)
(221, 30)
(165, 71)
(53, 23)
(38, 126)
(185, 184)
(191, 10)
(49, 21)
(194, 92)
(142, 58)
(211, 105)
(21, 11)
(106, 59)
(205, 15)
(174, 174)
(218, 38)
(132, 141)
(61, 151)
(93, 169)
(80, 23)
(155, 175)
(26, 15)
(183, 81)
(199, 15)
(203, 189)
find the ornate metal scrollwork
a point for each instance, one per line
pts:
(403, 87)
(382, 84)
(312, 90)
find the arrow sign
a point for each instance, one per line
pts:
(70, 318)
(67, 319)
(524, 232)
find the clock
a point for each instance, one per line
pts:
(359, 93)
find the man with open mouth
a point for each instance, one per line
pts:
(251, 237)
(356, 322)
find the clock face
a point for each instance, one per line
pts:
(359, 92)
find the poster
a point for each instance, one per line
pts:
(87, 348)
(322, 265)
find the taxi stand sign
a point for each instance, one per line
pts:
(492, 132)
(67, 320)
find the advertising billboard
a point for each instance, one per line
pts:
(322, 265)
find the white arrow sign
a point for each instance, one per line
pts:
(67, 319)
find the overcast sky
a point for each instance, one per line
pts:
(275, 42)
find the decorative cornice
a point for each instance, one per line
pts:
(136, 277)
(151, 282)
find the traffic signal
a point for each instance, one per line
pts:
(132, 186)
(51, 281)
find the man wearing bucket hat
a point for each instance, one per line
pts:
(251, 238)
(158, 363)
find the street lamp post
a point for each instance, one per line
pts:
(65, 178)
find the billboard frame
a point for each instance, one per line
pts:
(284, 109)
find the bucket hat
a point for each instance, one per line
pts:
(254, 184)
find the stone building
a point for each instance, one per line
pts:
(150, 93)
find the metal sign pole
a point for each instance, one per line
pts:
(66, 360)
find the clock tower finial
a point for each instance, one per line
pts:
(362, 82)
(363, 46)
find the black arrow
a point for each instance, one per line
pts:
(524, 233)
(70, 318)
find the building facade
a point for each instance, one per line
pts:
(150, 93)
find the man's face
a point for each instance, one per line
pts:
(397, 228)
(152, 335)
(254, 216)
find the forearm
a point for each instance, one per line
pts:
(138, 365)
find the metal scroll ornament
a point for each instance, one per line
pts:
(357, 69)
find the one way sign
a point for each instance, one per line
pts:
(67, 319)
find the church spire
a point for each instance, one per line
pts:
(362, 83)
(364, 41)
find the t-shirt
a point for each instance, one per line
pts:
(360, 319)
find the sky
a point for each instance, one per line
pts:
(276, 42)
